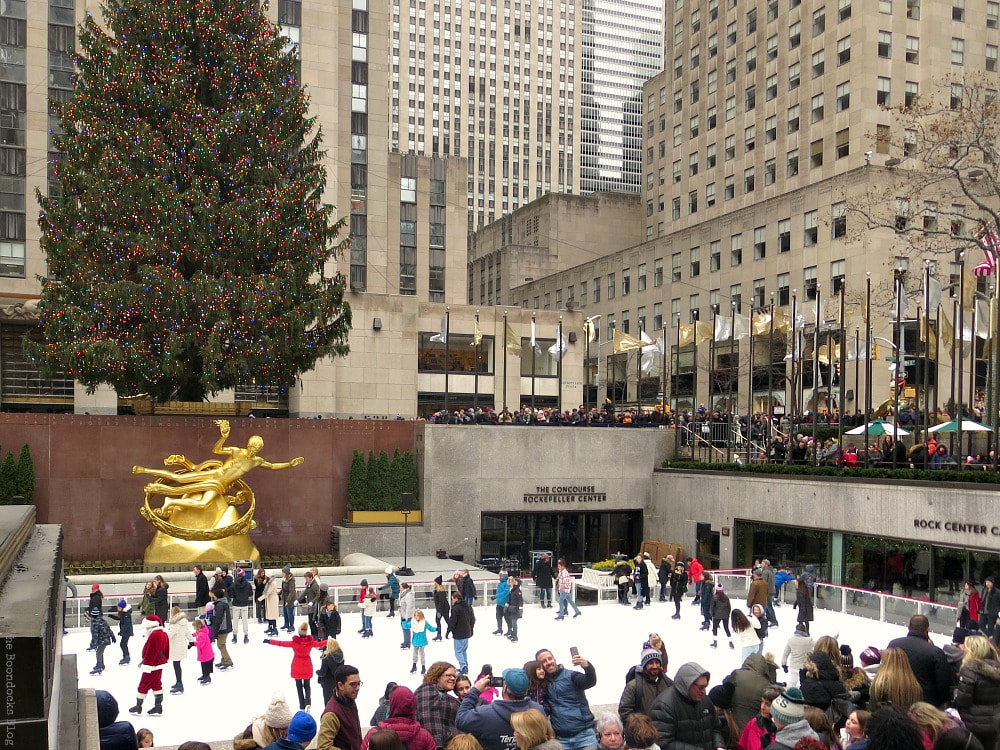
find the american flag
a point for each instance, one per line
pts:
(990, 243)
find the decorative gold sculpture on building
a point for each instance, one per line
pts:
(198, 520)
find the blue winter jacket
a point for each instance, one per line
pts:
(503, 591)
(564, 694)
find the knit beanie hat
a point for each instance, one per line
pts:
(846, 657)
(278, 715)
(870, 656)
(789, 707)
(95, 612)
(718, 587)
(648, 655)
(287, 569)
(302, 727)
(240, 573)
(122, 603)
(95, 586)
(439, 581)
(388, 570)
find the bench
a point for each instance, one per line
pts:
(593, 580)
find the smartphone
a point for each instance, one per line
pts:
(574, 651)
(496, 682)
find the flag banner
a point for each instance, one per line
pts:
(856, 350)
(933, 293)
(651, 353)
(761, 323)
(932, 344)
(723, 328)
(703, 331)
(947, 329)
(590, 328)
(741, 326)
(558, 349)
(513, 344)
(782, 323)
(829, 352)
(622, 342)
(989, 241)
(983, 319)
(534, 341)
(442, 338)
(477, 335)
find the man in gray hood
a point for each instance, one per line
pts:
(684, 716)
(788, 715)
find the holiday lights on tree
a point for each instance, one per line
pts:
(187, 243)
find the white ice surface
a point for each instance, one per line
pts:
(608, 635)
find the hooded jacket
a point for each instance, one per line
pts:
(684, 724)
(752, 679)
(490, 724)
(242, 592)
(114, 734)
(820, 685)
(978, 698)
(641, 692)
(402, 720)
(125, 629)
(503, 590)
(787, 737)
(179, 633)
(799, 646)
(407, 605)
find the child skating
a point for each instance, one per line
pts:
(418, 639)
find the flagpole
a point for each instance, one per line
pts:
(815, 408)
(795, 355)
(974, 359)
(925, 375)
(447, 353)
(533, 345)
(898, 341)
(842, 365)
(868, 360)
(586, 372)
(770, 372)
(749, 435)
(638, 371)
(734, 357)
(663, 366)
(937, 362)
(559, 366)
(677, 366)
(961, 348)
(475, 395)
(995, 352)
(857, 369)
(711, 363)
(694, 362)
(505, 361)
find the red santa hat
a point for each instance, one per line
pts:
(152, 621)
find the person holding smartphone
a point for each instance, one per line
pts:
(565, 695)
(490, 723)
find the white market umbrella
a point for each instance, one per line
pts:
(879, 427)
(967, 426)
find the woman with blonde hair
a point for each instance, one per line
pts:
(463, 742)
(333, 657)
(978, 696)
(932, 722)
(532, 730)
(895, 684)
(828, 644)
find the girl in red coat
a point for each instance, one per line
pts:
(302, 664)
(403, 721)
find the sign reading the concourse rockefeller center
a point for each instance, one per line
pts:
(564, 493)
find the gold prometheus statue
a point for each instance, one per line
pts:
(198, 520)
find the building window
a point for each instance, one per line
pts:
(885, 44)
(792, 163)
(957, 96)
(770, 129)
(930, 217)
(640, 280)
(793, 118)
(771, 87)
(710, 195)
(912, 89)
(817, 108)
(675, 267)
(885, 6)
(749, 138)
(657, 315)
(772, 48)
(729, 188)
(657, 273)
(992, 15)
(913, 9)
(782, 283)
(843, 143)
(770, 171)
(714, 256)
(626, 281)
(818, 64)
(843, 10)
(675, 208)
(883, 94)
(882, 136)
(611, 286)
(736, 250)
(710, 157)
(902, 213)
(794, 75)
(810, 228)
(957, 51)
(843, 50)
(838, 220)
(819, 21)
(736, 296)
(751, 60)
(748, 180)
(991, 57)
(784, 235)
(809, 282)
(693, 202)
(958, 10)
(912, 49)
(794, 35)
(837, 276)
(760, 243)
(843, 96)
(695, 264)
(730, 144)
(816, 153)
(759, 293)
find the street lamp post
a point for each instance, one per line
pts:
(406, 507)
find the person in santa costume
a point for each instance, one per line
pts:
(155, 654)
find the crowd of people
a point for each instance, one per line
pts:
(910, 694)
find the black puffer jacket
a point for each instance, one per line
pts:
(682, 723)
(978, 699)
(821, 681)
(930, 666)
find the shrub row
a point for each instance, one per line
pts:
(967, 476)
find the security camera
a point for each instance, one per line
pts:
(868, 156)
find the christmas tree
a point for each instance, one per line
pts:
(187, 241)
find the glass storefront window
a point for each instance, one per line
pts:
(580, 537)
(785, 546)
(462, 356)
(891, 566)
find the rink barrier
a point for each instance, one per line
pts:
(872, 605)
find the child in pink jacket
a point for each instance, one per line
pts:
(206, 654)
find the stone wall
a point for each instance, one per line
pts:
(83, 469)
(960, 515)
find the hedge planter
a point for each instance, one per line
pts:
(382, 516)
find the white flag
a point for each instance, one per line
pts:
(651, 353)
(590, 328)
(983, 319)
(723, 327)
(741, 329)
(534, 343)
(442, 338)
(933, 293)
(558, 349)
